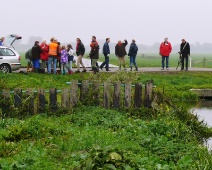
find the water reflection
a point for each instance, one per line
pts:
(204, 111)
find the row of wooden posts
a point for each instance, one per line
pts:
(79, 92)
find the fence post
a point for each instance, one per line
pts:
(17, 97)
(96, 90)
(127, 94)
(6, 94)
(41, 100)
(148, 94)
(138, 95)
(53, 99)
(106, 97)
(204, 60)
(65, 98)
(117, 95)
(30, 98)
(84, 91)
(74, 93)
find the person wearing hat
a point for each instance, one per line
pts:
(36, 51)
(132, 54)
(1, 41)
(185, 53)
(165, 50)
(93, 40)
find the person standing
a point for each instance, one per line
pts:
(44, 55)
(185, 53)
(28, 57)
(120, 52)
(1, 41)
(63, 59)
(165, 50)
(53, 54)
(70, 58)
(36, 50)
(80, 51)
(94, 55)
(132, 54)
(106, 52)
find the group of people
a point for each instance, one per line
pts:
(166, 48)
(50, 55)
(54, 54)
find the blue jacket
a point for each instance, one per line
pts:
(133, 50)
(106, 49)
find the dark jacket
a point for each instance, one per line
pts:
(94, 54)
(80, 50)
(186, 50)
(120, 50)
(106, 49)
(28, 54)
(36, 50)
(133, 50)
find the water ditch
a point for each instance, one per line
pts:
(204, 112)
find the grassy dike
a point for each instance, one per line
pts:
(90, 137)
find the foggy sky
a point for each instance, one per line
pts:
(147, 21)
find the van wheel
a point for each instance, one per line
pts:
(5, 68)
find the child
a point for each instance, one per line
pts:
(70, 58)
(63, 59)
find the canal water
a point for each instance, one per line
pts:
(204, 111)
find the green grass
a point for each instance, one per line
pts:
(180, 80)
(98, 138)
(152, 60)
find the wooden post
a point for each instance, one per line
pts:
(138, 95)
(74, 93)
(148, 94)
(96, 92)
(65, 98)
(204, 60)
(117, 95)
(127, 94)
(106, 97)
(84, 91)
(30, 100)
(53, 99)
(17, 97)
(6, 94)
(41, 100)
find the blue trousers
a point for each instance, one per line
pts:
(132, 61)
(167, 61)
(50, 61)
(36, 63)
(105, 63)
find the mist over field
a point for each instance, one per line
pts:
(146, 21)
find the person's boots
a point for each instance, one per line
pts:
(130, 68)
(120, 67)
(136, 68)
(27, 67)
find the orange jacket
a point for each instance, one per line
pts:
(165, 49)
(53, 49)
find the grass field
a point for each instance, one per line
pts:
(153, 60)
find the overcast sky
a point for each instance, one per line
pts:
(147, 21)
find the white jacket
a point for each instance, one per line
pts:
(71, 52)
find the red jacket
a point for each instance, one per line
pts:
(165, 49)
(44, 54)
